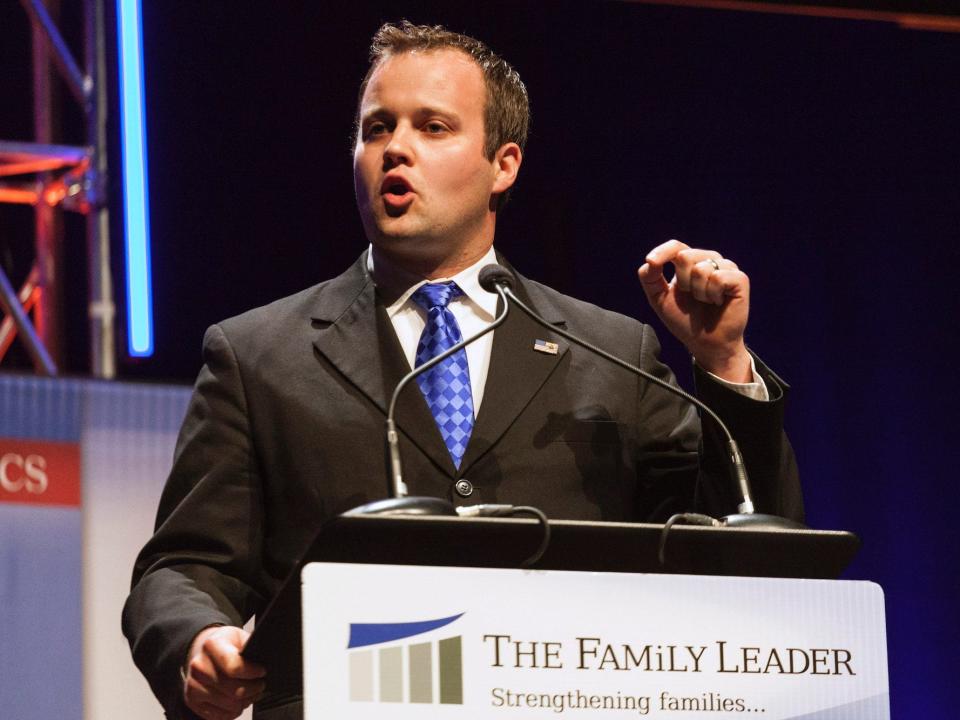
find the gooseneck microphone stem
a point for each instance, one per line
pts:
(399, 501)
(746, 514)
(398, 486)
(736, 459)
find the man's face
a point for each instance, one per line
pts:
(422, 180)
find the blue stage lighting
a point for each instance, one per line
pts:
(135, 193)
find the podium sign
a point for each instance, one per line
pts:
(387, 641)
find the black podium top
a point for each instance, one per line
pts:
(507, 542)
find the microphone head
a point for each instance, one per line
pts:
(493, 275)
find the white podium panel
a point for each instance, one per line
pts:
(386, 641)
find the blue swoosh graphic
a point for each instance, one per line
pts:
(363, 634)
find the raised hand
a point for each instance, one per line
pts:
(705, 305)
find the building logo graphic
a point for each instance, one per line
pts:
(383, 669)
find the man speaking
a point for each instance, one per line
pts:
(284, 429)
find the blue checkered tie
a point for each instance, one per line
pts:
(445, 386)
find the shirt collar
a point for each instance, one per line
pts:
(397, 284)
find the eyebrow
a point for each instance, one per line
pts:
(380, 111)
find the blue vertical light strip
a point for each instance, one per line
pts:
(134, 153)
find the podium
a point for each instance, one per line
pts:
(617, 549)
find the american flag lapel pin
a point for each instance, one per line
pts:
(550, 348)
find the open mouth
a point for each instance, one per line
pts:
(397, 195)
(395, 189)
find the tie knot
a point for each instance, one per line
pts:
(434, 295)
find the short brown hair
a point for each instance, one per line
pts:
(506, 116)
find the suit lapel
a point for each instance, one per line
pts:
(516, 374)
(356, 337)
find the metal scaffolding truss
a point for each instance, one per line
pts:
(53, 178)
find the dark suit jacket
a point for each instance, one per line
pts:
(285, 429)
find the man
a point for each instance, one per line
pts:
(285, 427)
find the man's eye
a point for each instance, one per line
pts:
(436, 128)
(377, 128)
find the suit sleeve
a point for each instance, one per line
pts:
(202, 565)
(757, 426)
(684, 463)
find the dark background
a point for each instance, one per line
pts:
(821, 154)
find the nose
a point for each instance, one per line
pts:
(398, 150)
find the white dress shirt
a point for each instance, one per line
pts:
(474, 310)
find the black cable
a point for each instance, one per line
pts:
(684, 519)
(504, 510)
(544, 523)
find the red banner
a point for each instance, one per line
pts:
(37, 472)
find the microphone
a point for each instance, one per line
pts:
(399, 502)
(493, 277)
(501, 280)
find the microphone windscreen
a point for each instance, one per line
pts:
(493, 275)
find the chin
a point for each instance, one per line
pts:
(397, 229)
(393, 236)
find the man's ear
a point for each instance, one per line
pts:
(507, 165)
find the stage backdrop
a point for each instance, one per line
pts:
(821, 154)
(81, 468)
